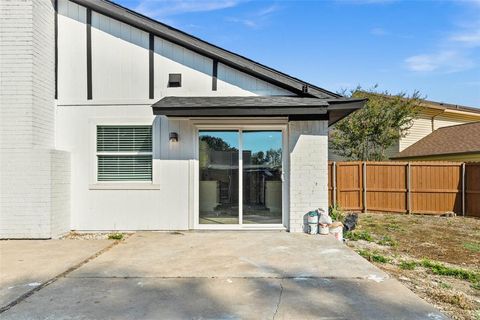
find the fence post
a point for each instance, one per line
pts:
(334, 183)
(463, 189)
(364, 186)
(409, 195)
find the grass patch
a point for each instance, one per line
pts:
(445, 285)
(475, 247)
(373, 256)
(442, 270)
(393, 227)
(407, 265)
(115, 236)
(387, 241)
(476, 286)
(358, 235)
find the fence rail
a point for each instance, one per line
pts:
(406, 187)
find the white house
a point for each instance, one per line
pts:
(114, 121)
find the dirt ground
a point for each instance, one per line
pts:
(411, 248)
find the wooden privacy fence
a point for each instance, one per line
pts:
(409, 187)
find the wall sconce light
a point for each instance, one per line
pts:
(173, 137)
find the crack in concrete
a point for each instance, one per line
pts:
(279, 300)
(55, 278)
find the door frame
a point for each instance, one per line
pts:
(283, 127)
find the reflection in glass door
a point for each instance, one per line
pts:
(262, 177)
(252, 197)
(218, 183)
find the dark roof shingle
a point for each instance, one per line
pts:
(463, 138)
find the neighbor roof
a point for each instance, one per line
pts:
(255, 106)
(195, 44)
(463, 138)
(434, 104)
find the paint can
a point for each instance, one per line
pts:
(336, 229)
(323, 228)
(312, 220)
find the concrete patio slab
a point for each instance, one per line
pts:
(26, 264)
(225, 275)
(223, 298)
(229, 254)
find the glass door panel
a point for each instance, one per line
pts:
(262, 177)
(219, 174)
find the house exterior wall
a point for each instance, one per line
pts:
(31, 187)
(308, 147)
(48, 147)
(120, 97)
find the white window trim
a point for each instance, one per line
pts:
(123, 185)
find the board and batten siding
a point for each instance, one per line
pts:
(120, 64)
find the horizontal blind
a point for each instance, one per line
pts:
(124, 168)
(118, 142)
(124, 139)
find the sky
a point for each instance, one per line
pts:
(399, 46)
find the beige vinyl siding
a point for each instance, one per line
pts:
(448, 119)
(421, 128)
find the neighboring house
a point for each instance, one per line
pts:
(114, 121)
(432, 116)
(454, 143)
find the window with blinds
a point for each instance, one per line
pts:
(124, 153)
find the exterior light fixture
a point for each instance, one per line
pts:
(173, 137)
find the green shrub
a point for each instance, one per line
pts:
(336, 213)
(115, 236)
(408, 265)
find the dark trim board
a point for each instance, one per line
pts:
(151, 67)
(214, 75)
(295, 108)
(89, 54)
(204, 48)
(55, 7)
(235, 112)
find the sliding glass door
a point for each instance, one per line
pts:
(240, 177)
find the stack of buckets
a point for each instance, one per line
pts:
(320, 222)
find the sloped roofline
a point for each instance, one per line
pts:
(231, 59)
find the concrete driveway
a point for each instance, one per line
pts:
(225, 275)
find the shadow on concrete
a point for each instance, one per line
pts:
(222, 298)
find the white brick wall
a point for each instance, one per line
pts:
(308, 144)
(34, 178)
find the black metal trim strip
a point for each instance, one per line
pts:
(214, 75)
(151, 74)
(89, 54)
(55, 7)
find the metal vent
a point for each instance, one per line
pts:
(174, 80)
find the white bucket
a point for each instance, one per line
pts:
(313, 228)
(336, 229)
(323, 228)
